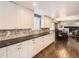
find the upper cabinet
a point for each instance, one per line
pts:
(25, 17)
(14, 16)
(8, 15)
(47, 22)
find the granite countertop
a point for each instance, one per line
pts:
(20, 39)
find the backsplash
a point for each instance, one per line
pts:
(14, 33)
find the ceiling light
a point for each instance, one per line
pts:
(34, 3)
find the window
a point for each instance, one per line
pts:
(37, 21)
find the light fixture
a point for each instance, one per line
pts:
(34, 3)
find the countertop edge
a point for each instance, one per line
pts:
(9, 42)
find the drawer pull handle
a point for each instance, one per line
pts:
(19, 48)
(19, 44)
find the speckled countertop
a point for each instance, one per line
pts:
(8, 42)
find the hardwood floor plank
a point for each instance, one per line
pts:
(58, 50)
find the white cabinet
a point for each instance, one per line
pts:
(47, 22)
(13, 51)
(48, 39)
(21, 50)
(3, 52)
(13, 16)
(8, 15)
(27, 49)
(41, 42)
(38, 45)
(45, 38)
(25, 17)
(52, 36)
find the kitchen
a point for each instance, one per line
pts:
(27, 28)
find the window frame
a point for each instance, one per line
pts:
(39, 16)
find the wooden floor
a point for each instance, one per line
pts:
(58, 49)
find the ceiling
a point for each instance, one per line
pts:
(54, 8)
(26, 4)
(60, 8)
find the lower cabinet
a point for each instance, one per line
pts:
(21, 50)
(37, 45)
(3, 53)
(27, 49)
(42, 42)
(52, 37)
(13, 51)
(47, 40)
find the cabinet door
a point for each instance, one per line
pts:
(37, 45)
(14, 51)
(44, 41)
(47, 22)
(8, 15)
(52, 37)
(3, 52)
(41, 42)
(25, 18)
(27, 49)
(47, 40)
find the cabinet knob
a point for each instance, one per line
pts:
(33, 40)
(19, 44)
(19, 48)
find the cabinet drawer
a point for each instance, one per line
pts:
(3, 52)
(13, 51)
(27, 49)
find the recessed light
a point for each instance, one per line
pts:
(34, 3)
